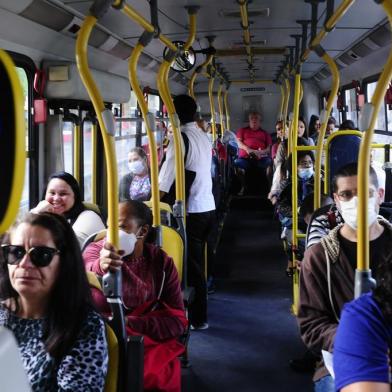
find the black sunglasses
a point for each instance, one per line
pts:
(40, 256)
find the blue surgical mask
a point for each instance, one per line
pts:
(305, 173)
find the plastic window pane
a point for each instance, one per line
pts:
(389, 117)
(68, 146)
(123, 147)
(380, 123)
(24, 204)
(129, 109)
(87, 160)
(153, 103)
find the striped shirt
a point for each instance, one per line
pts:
(321, 225)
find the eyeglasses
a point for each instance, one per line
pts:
(40, 256)
(348, 195)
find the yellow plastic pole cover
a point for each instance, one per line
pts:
(227, 113)
(212, 107)
(14, 121)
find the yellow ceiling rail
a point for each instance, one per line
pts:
(212, 106)
(197, 71)
(324, 122)
(106, 123)
(285, 112)
(222, 123)
(258, 81)
(363, 280)
(149, 122)
(282, 99)
(227, 113)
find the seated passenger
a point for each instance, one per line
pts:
(279, 126)
(305, 171)
(348, 125)
(327, 271)
(363, 340)
(330, 126)
(151, 294)
(254, 148)
(314, 127)
(281, 158)
(136, 184)
(62, 196)
(46, 303)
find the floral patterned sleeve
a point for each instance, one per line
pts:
(85, 367)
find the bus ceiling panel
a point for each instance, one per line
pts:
(16, 6)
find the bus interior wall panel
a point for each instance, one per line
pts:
(113, 87)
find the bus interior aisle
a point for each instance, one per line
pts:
(252, 335)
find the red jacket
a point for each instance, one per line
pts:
(151, 277)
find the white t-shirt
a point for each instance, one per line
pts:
(198, 160)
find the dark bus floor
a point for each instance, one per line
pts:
(252, 334)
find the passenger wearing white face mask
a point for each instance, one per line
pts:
(151, 293)
(327, 272)
(136, 184)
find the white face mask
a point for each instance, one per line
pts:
(127, 242)
(306, 173)
(349, 211)
(136, 167)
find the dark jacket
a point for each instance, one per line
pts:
(323, 294)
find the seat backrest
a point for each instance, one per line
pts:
(173, 245)
(111, 381)
(92, 207)
(100, 235)
(12, 374)
(162, 206)
(343, 149)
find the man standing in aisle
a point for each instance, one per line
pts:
(200, 205)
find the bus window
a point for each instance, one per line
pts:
(67, 146)
(154, 104)
(380, 123)
(87, 161)
(129, 110)
(124, 143)
(351, 103)
(24, 205)
(389, 117)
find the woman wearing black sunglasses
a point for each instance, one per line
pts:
(62, 196)
(46, 302)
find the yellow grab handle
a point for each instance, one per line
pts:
(220, 108)
(212, 107)
(227, 110)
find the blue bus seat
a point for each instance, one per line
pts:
(343, 150)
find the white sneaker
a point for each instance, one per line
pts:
(199, 327)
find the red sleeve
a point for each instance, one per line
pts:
(91, 257)
(240, 134)
(168, 321)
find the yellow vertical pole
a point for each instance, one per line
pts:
(212, 106)
(282, 100)
(106, 123)
(220, 108)
(370, 113)
(149, 122)
(319, 151)
(227, 113)
(297, 88)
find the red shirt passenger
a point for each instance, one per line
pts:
(254, 148)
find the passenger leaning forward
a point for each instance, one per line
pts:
(46, 303)
(62, 196)
(151, 294)
(327, 272)
(200, 206)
